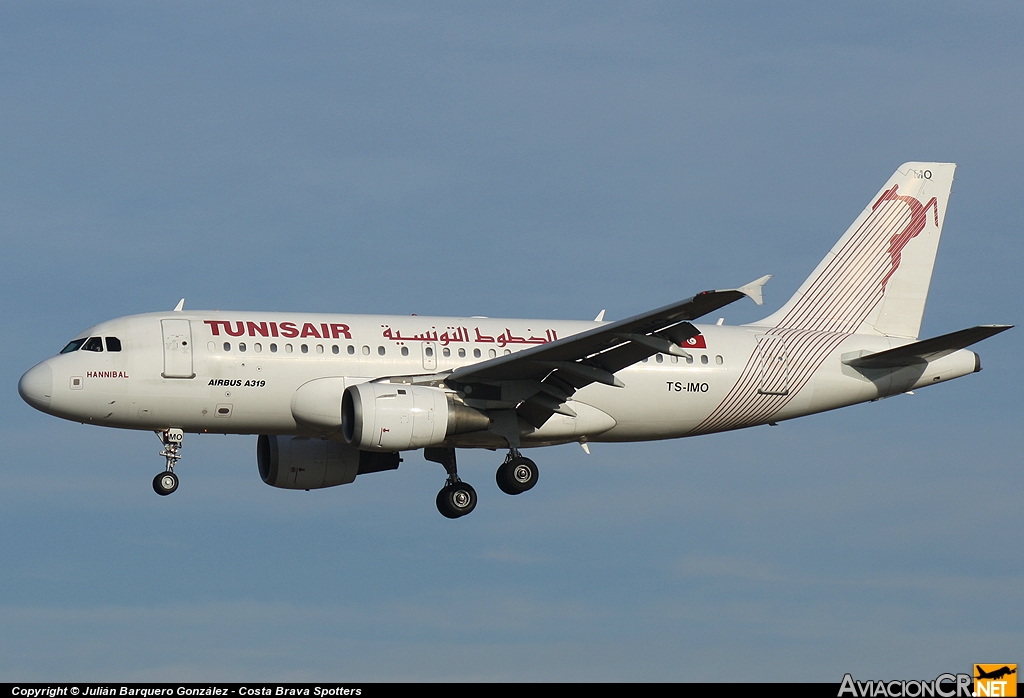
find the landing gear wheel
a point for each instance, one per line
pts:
(165, 483)
(516, 475)
(456, 499)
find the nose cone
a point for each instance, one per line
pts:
(36, 386)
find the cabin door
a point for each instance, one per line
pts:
(177, 336)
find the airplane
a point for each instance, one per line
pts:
(995, 674)
(332, 397)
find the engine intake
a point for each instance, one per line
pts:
(398, 417)
(300, 463)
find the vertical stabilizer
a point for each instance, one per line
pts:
(876, 278)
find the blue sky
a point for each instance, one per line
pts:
(526, 160)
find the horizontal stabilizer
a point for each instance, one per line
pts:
(926, 350)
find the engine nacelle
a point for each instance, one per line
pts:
(300, 463)
(399, 417)
(316, 405)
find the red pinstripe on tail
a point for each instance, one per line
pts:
(857, 288)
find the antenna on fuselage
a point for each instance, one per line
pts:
(179, 306)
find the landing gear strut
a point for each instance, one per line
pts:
(517, 474)
(456, 498)
(166, 482)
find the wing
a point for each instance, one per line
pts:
(536, 382)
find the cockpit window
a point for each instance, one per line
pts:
(93, 344)
(73, 345)
(113, 344)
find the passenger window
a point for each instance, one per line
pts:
(381, 350)
(287, 348)
(113, 344)
(446, 351)
(491, 353)
(659, 358)
(335, 349)
(689, 359)
(94, 344)
(73, 345)
(211, 346)
(319, 348)
(646, 359)
(405, 351)
(305, 348)
(507, 352)
(351, 349)
(273, 348)
(704, 358)
(719, 360)
(366, 350)
(462, 353)
(476, 353)
(241, 346)
(675, 359)
(257, 347)
(227, 346)
(428, 351)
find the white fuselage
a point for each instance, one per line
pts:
(239, 373)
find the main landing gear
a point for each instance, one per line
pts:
(456, 498)
(166, 482)
(517, 474)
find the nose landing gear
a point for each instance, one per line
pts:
(166, 482)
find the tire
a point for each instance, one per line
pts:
(456, 500)
(517, 476)
(165, 483)
(442, 505)
(502, 477)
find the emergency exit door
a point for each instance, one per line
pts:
(429, 356)
(177, 336)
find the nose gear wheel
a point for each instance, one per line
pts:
(165, 483)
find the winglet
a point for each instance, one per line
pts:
(179, 306)
(600, 316)
(753, 289)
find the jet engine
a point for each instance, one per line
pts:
(300, 463)
(400, 417)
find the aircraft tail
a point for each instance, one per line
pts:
(876, 278)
